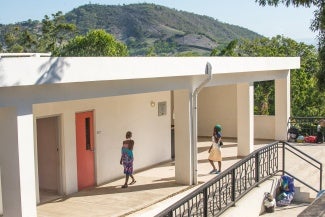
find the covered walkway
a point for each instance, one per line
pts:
(153, 185)
(156, 188)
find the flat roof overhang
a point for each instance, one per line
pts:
(48, 79)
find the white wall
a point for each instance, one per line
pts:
(113, 116)
(264, 127)
(217, 105)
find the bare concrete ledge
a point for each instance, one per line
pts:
(315, 209)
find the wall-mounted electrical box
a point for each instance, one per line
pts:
(162, 108)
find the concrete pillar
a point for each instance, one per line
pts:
(245, 118)
(183, 155)
(1, 209)
(17, 162)
(282, 107)
(69, 162)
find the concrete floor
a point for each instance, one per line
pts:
(154, 190)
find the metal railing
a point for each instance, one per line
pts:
(307, 126)
(222, 192)
(303, 156)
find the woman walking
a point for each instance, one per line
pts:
(214, 150)
(127, 159)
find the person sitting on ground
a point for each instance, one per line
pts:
(319, 138)
(286, 191)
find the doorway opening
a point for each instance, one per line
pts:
(48, 155)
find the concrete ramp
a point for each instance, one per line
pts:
(252, 203)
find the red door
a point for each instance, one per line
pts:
(85, 149)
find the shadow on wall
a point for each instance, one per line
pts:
(53, 71)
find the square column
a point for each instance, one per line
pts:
(245, 118)
(183, 155)
(282, 107)
(1, 209)
(17, 163)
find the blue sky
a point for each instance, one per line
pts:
(268, 21)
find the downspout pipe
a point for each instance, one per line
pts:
(208, 72)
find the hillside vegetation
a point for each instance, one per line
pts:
(150, 29)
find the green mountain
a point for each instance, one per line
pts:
(154, 29)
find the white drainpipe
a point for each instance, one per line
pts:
(195, 93)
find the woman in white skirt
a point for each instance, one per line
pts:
(214, 150)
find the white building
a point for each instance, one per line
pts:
(62, 120)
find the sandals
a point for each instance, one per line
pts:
(131, 183)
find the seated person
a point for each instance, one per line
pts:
(286, 191)
(319, 138)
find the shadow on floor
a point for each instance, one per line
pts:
(116, 189)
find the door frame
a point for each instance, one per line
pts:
(60, 152)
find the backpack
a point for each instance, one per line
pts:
(300, 139)
(310, 139)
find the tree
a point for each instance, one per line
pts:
(318, 24)
(26, 37)
(55, 32)
(95, 43)
(18, 40)
(306, 100)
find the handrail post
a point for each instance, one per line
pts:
(257, 167)
(283, 158)
(205, 202)
(233, 188)
(268, 161)
(321, 177)
(277, 157)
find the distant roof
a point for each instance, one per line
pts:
(4, 55)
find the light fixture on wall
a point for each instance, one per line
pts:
(152, 103)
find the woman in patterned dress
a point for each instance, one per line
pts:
(127, 159)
